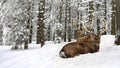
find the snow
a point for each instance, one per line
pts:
(48, 56)
(108, 40)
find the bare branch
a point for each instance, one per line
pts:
(104, 27)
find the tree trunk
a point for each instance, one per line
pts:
(28, 32)
(117, 21)
(30, 36)
(40, 28)
(113, 19)
(98, 26)
(66, 12)
(26, 44)
(31, 25)
(60, 11)
(105, 14)
(1, 36)
(69, 22)
(49, 33)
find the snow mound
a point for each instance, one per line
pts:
(107, 41)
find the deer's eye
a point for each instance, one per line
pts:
(98, 42)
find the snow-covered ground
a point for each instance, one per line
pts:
(48, 56)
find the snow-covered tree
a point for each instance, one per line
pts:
(54, 20)
(18, 18)
(40, 24)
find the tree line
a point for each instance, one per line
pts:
(57, 20)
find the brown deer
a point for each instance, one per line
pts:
(84, 44)
(92, 40)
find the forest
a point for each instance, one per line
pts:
(25, 21)
(59, 34)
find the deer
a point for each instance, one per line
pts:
(85, 44)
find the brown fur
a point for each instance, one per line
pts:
(91, 41)
(72, 49)
(85, 44)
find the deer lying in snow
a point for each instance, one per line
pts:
(85, 44)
